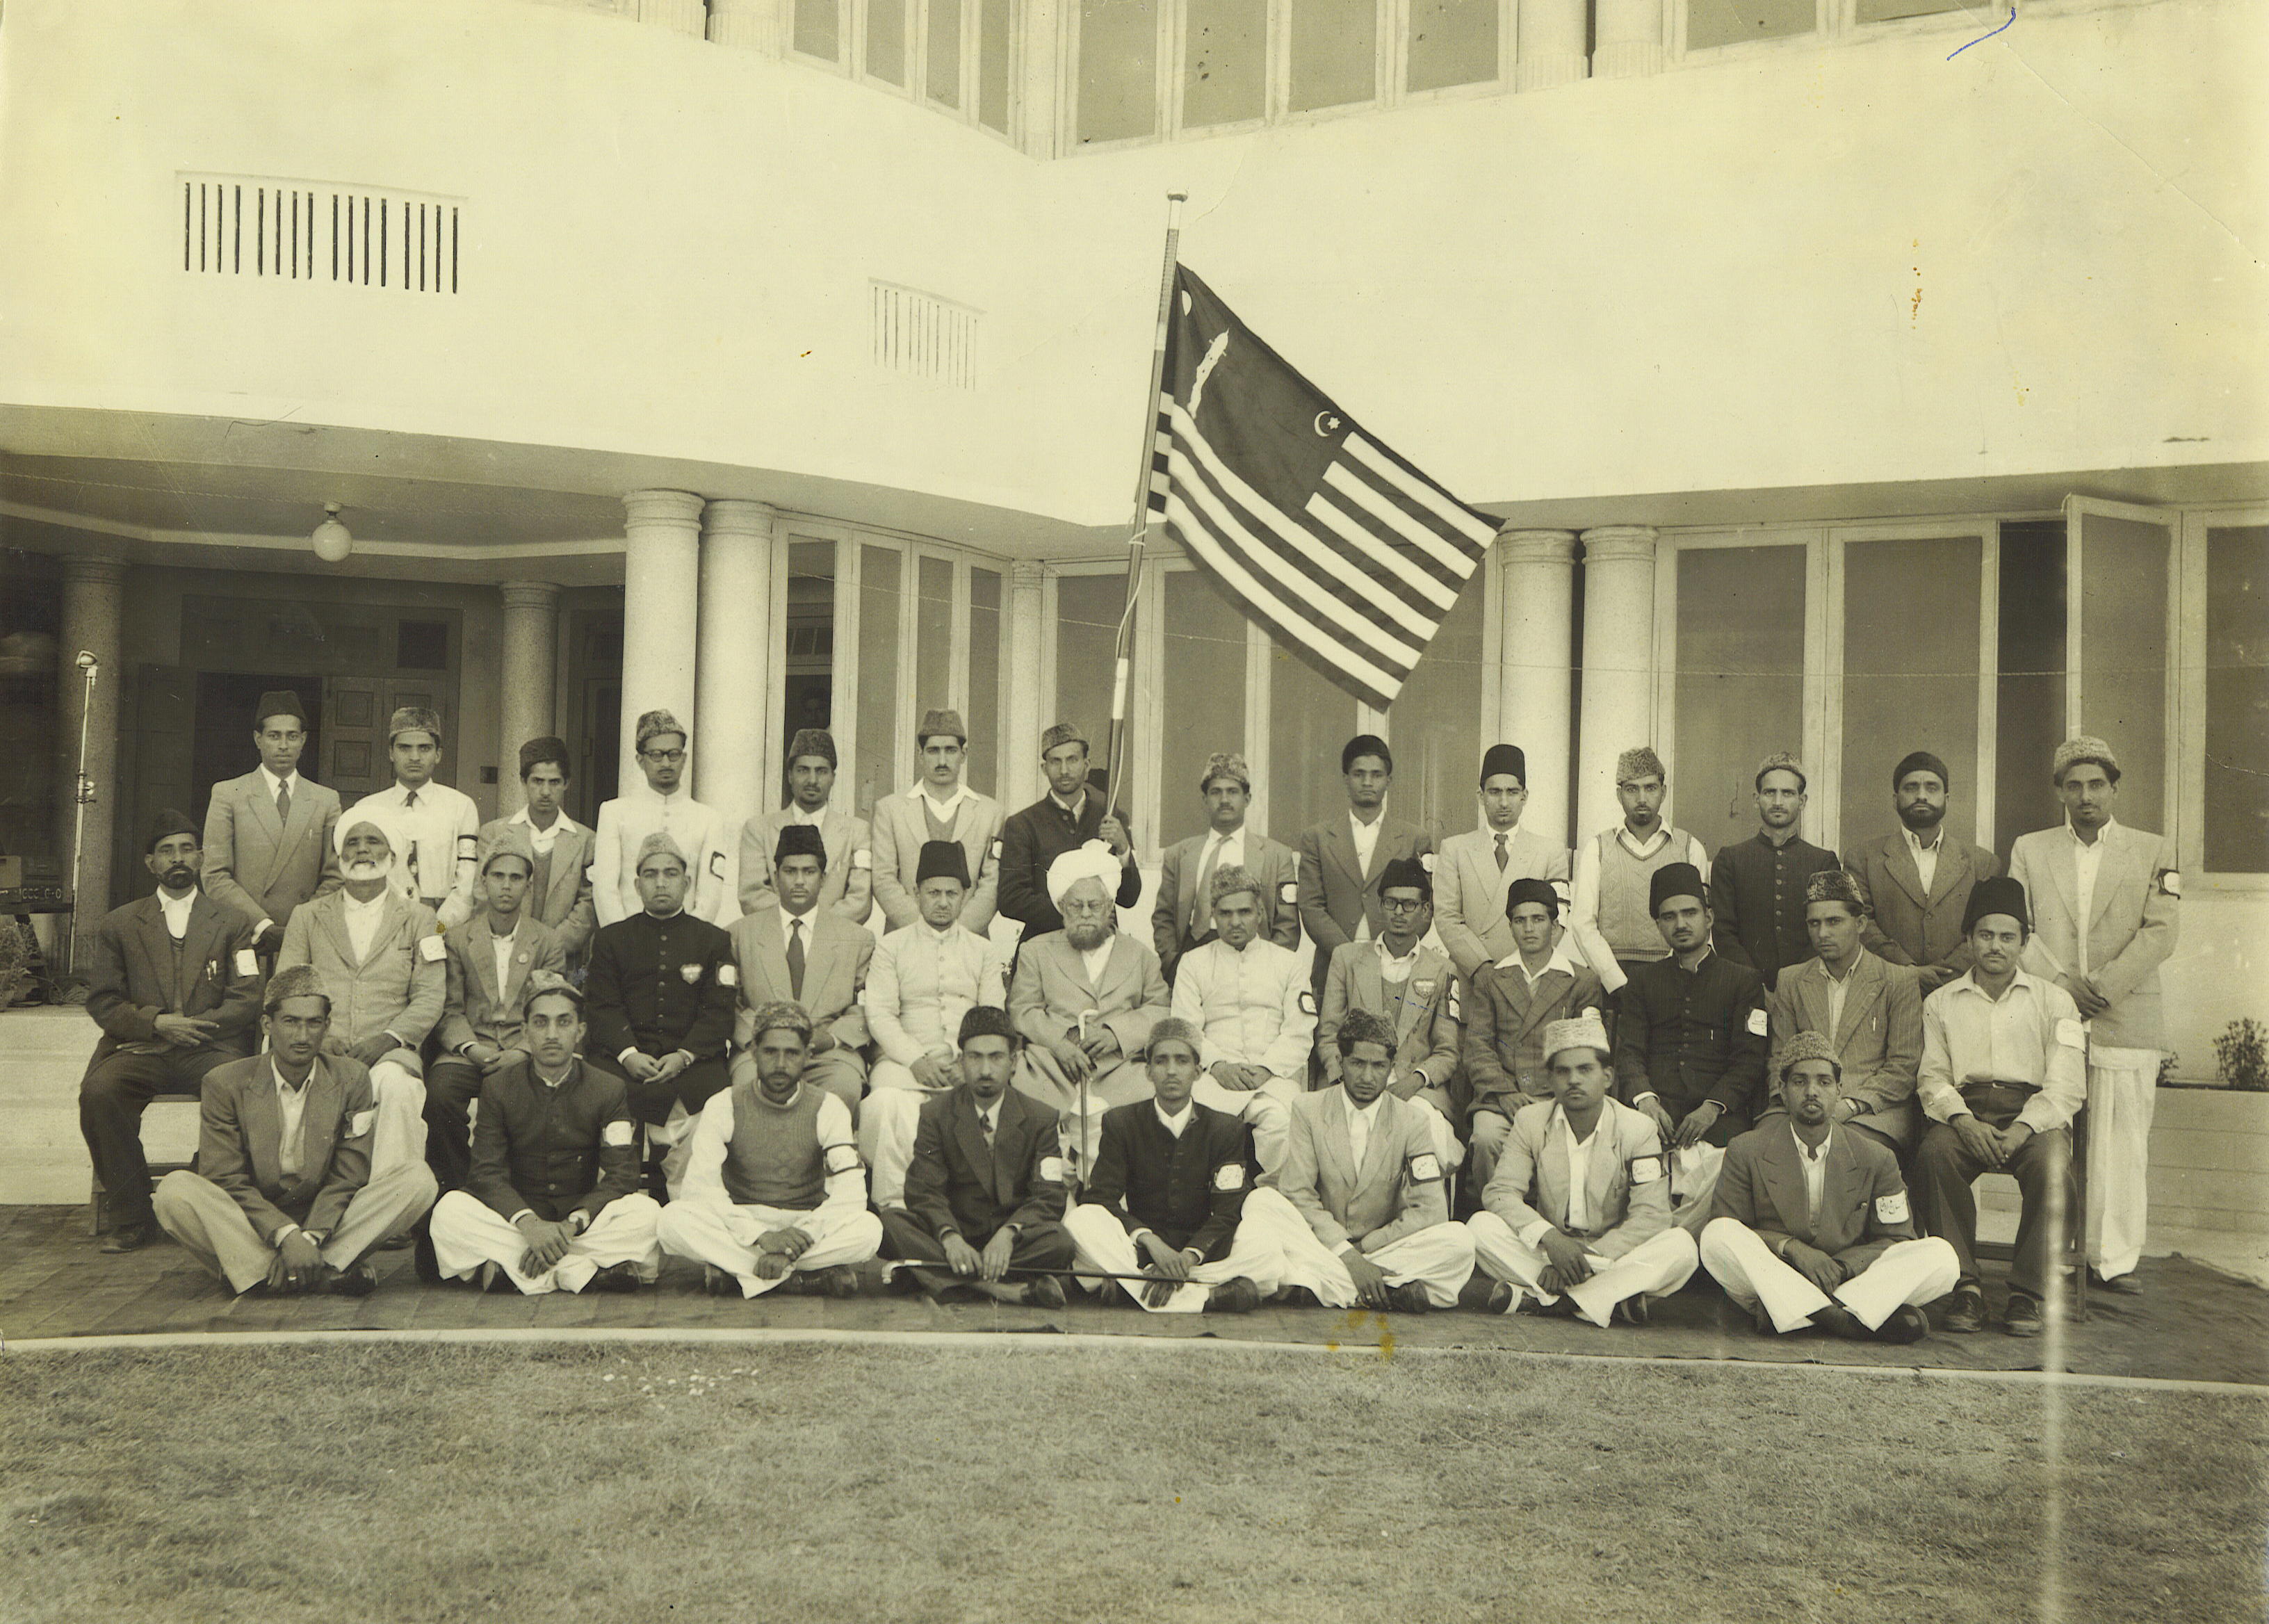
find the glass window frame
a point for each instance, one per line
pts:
(2188, 652)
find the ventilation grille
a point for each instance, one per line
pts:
(922, 336)
(310, 230)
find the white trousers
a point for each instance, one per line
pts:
(2123, 1087)
(213, 1228)
(1694, 1184)
(468, 1232)
(1440, 1257)
(1100, 1241)
(1657, 1265)
(1266, 1111)
(886, 1129)
(1909, 1273)
(399, 1136)
(726, 1237)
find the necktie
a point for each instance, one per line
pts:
(795, 959)
(1201, 903)
(283, 803)
(1503, 856)
(985, 1127)
(410, 801)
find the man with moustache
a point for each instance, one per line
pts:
(1342, 859)
(1479, 867)
(1256, 1017)
(1065, 819)
(1608, 911)
(559, 895)
(1916, 883)
(1510, 1005)
(268, 835)
(659, 803)
(1414, 987)
(1757, 888)
(809, 955)
(434, 830)
(1869, 1014)
(845, 852)
(1183, 917)
(939, 807)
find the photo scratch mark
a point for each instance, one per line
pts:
(1981, 38)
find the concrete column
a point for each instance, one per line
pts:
(1551, 44)
(527, 706)
(745, 25)
(1536, 615)
(95, 609)
(1618, 706)
(736, 705)
(1628, 39)
(1043, 31)
(679, 16)
(662, 608)
(1023, 637)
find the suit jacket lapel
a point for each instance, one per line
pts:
(1860, 996)
(1899, 863)
(974, 1145)
(771, 934)
(1784, 1183)
(1339, 847)
(331, 918)
(570, 855)
(1547, 994)
(1842, 1172)
(2064, 872)
(262, 1125)
(318, 1122)
(1953, 868)
(201, 942)
(389, 923)
(2108, 869)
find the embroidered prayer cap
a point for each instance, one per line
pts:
(414, 719)
(1230, 879)
(986, 1020)
(812, 741)
(1532, 890)
(1780, 761)
(664, 842)
(1998, 895)
(938, 722)
(780, 1015)
(550, 748)
(278, 702)
(1225, 764)
(1408, 874)
(799, 840)
(1920, 761)
(547, 981)
(1173, 1029)
(1061, 734)
(1674, 879)
(507, 841)
(1504, 758)
(1835, 885)
(1806, 1046)
(170, 821)
(293, 981)
(2082, 747)
(1584, 1031)
(1362, 745)
(1641, 762)
(943, 859)
(1090, 860)
(653, 724)
(1365, 1026)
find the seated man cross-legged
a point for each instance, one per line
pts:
(1256, 1014)
(1395, 974)
(1577, 1217)
(1811, 1228)
(773, 1187)
(552, 1200)
(1168, 1193)
(1511, 1004)
(1360, 1209)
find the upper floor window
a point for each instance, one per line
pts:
(959, 56)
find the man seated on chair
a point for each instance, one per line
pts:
(1575, 1219)
(1257, 1013)
(801, 952)
(494, 957)
(1085, 1000)
(1414, 986)
(773, 1189)
(1168, 1192)
(2003, 1075)
(1869, 1012)
(284, 1196)
(174, 982)
(552, 1201)
(1360, 1209)
(1810, 1227)
(984, 1193)
(921, 981)
(1509, 1007)
(384, 964)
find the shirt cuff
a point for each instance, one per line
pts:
(1649, 1094)
(286, 1234)
(263, 929)
(1533, 1233)
(624, 1057)
(525, 1212)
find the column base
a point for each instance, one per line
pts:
(678, 16)
(743, 25)
(1626, 59)
(1544, 72)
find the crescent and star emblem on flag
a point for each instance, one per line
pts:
(1326, 424)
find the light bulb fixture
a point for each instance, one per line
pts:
(333, 541)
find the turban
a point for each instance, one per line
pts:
(358, 819)
(1365, 1026)
(1225, 764)
(546, 981)
(1806, 1046)
(278, 702)
(1094, 861)
(1365, 744)
(1641, 762)
(508, 840)
(1780, 761)
(414, 719)
(985, 1021)
(293, 981)
(166, 825)
(1920, 761)
(1061, 734)
(1504, 758)
(1998, 895)
(1173, 1029)
(799, 840)
(1410, 874)
(1230, 879)
(812, 741)
(660, 841)
(2073, 751)
(1835, 885)
(947, 722)
(535, 752)
(943, 859)
(780, 1015)
(1674, 879)
(653, 724)
(1533, 891)
(1585, 1032)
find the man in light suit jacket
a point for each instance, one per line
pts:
(2104, 899)
(560, 895)
(1869, 1012)
(1413, 987)
(1342, 859)
(1085, 1000)
(1182, 919)
(849, 889)
(173, 984)
(1599, 1246)
(1256, 1017)
(939, 807)
(800, 953)
(384, 965)
(1916, 883)
(1803, 1209)
(1361, 1208)
(1478, 868)
(268, 835)
(1508, 1006)
(284, 1195)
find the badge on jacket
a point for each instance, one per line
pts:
(2170, 883)
(728, 976)
(690, 974)
(1287, 892)
(1891, 1208)
(1645, 1170)
(1052, 1171)
(1757, 1024)
(1228, 1175)
(247, 964)
(1425, 1168)
(616, 1136)
(1423, 990)
(432, 949)
(360, 1123)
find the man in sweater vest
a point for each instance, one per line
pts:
(773, 1186)
(1609, 912)
(1065, 819)
(1757, 888)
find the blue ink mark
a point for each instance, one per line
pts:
(1981, 38)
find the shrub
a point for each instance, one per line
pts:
(2240, 1057)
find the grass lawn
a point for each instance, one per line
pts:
(782, 1482)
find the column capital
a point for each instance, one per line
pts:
(535, 595)
(1535, 546)
(732, 516)
(1613, 544)
(745, 25)
(1026, 572)
(94, 568)
(642, 509)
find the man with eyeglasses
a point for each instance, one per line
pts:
(268, 835)
(659, 805)
(436, 829)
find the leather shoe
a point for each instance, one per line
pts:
(357, 1281)
(1965, 1310)
(1905, 1324)
(1837, 1320)
(1410, 1297)
(131, 1236)
(1632, 1310)
(622, 1277)
(837, 1281)
(1299, 1296)
(2127, 1285)
(2023, 1318)
(1233, 1296)
(717, 1283)
(1486, 1295)
(1044, 1291)
(422, 1260)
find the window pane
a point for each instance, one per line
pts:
(1910, 675)
(1224, 61)
(984, 714)
(879, 769)
(932, 613)
(1310, 722)
(2236, 699)
(886, 39)
(1438, 723)
(1118, 70)
(2123, 657)
(1334, 53)
(944, 76)
(1087, 633)
(810, 698)
(1740, 682)
(2029, 692)
(1452, 43)
(1203, 698)
(816, 25)
(992, 52)
(1730, 22)
(1891, 10)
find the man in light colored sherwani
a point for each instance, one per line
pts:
(1258, 1015)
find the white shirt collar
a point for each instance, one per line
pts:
(1175, 1124)
(560, 823)
(1490, 835)
(1648, 848)
(797, 815)
(945, 809)
(645, 791)
(357, 909)
(2109, 823)
(275, 1076)
(1385, 957)
(1073, 807)
(2023, 978)
(1914, 842)
(1557, 959)
(176, 912)
(1368, 1113)
(1804, 1151)
(274, 783)
(941, 935)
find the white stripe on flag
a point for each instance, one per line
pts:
(1419, 491)
(1371, 547)
(1416, 531)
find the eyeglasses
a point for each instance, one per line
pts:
(664, 755)
(1397, 905)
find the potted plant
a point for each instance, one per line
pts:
(13, 957)
(2241, 1059)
